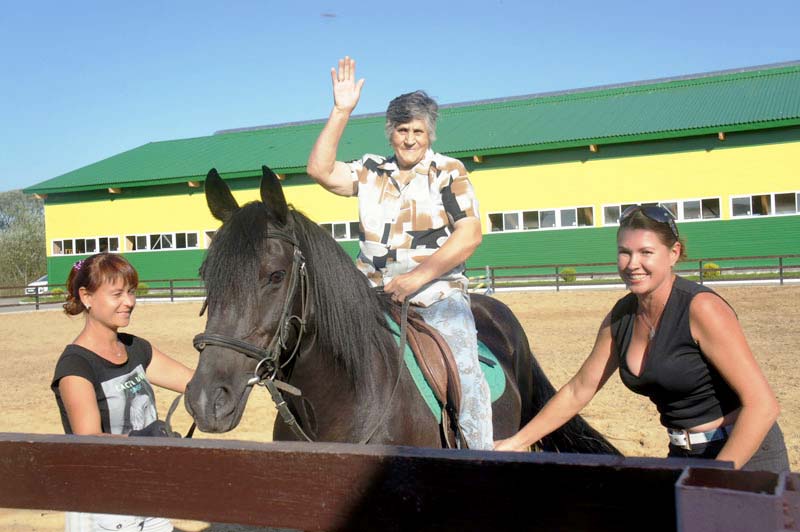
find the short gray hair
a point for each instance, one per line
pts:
(415, 105)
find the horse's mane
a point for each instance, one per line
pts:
(349, 315)
(229, 269)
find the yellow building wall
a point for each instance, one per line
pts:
(674, 176)
(595, 182)
(120, 216)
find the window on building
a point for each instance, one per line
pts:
(547, 219)
(762, 206)
(691, 210)
(756, 205)
(740, 206)
(495, 222)
(585, 216)
(108, 243)
(209, 236)
(161, 241)
(568, 217)
(342, 230)
(611, 214)
(709, 208)
(74, 246)
(530, 220)
(136, 243)
(766, 204)
(786, 203)
(185, 240)
(164, 241)
(544, 219)
(511, 221)
(701, 209)
(672, 207)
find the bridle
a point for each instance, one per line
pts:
(269, 365)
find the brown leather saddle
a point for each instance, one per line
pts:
(438, 366)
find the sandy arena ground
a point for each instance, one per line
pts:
(561, 328)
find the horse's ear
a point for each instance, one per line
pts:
(220, 201)
(272, 195)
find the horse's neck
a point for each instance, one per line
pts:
(329, 396)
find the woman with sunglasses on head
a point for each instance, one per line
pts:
(681, 345)
(102, 380)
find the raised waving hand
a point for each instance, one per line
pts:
(346, 90)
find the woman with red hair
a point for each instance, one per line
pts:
(102, 380)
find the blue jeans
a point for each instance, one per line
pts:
(453, 318)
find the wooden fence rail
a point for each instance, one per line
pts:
(762, 267)
(340, 487)
(487, 278)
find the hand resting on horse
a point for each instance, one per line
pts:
(157, 429)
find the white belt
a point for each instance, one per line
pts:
(683, 438)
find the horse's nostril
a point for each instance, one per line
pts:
(223, 403)
(187, 404)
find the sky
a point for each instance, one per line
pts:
(84, 80)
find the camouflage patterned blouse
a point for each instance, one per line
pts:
(402, 225)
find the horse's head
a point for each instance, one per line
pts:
(255, 284)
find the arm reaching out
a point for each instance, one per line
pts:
(570, 399)
(322, 165)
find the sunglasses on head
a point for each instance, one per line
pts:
(657, 213)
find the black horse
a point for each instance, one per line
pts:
(288, 308)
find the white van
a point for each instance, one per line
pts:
(39, 285)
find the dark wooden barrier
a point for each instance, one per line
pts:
(338, 487)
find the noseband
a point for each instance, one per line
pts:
(269, 359)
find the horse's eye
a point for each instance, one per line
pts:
(277, 277)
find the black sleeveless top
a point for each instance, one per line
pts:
(684, 386)
(124, 396)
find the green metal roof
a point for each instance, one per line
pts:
(760, 97)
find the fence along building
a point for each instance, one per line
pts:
(552, 173)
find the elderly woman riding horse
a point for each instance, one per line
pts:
(288, 308)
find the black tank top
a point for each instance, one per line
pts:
(684, 386)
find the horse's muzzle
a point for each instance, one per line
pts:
(218, 409)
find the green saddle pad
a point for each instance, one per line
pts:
(489, 364)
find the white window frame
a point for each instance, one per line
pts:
(772, 206)
(681, 205)
(348, 224)
(72, 240)
(208, 236)
(622, 207)
(172, 236)
(186, 237)
(520, 219)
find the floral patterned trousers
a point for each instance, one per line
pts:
(453, 318)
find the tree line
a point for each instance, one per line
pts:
(22, 243)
